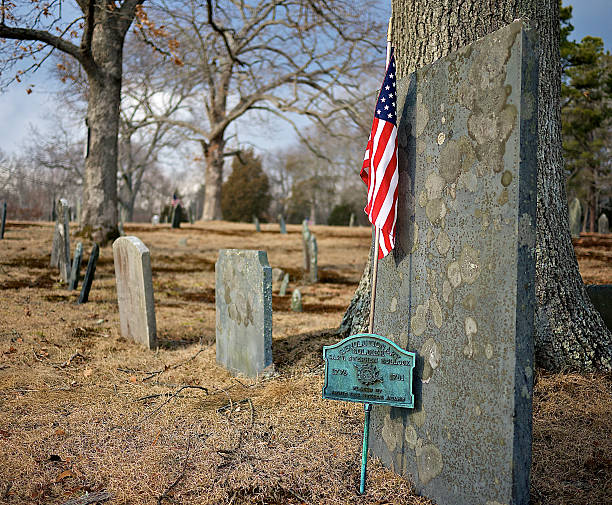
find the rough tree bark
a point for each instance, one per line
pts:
(570, 333)
(214, 156)
(100, 53)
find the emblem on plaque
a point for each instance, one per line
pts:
(368, 374)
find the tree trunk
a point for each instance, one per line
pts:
(570, 333)
(213, 154)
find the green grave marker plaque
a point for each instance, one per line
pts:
(368, 368)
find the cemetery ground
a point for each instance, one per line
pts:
(84, 410)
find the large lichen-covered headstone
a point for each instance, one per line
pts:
(575, 215)
(603, 225)
(458, 288)
(135, 291)
(243, 294)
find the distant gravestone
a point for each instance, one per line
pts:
(243, 294)
(155, 219)
(2, 220)
(575, 217)
(313, 253)
(89, 274)
(352, 220)
(602, 224)
(60, 252)
(281, 222)
(256, 223)
(283, 287)
(306, 245)
(458, 289)
(76, 265)
(296, 300)
(135, 291)
(177, 212)
(192, 212)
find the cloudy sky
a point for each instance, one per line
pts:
(19, 110)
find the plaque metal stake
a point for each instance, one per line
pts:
(367, 407)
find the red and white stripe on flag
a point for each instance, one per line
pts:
(379, 170)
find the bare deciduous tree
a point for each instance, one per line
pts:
(93, 35)
(281, 57)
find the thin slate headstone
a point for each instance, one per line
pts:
(306, 245)
(281, 222)
(296, 300)
(191, 212)
(76, 265)
(135, 291)
(53, 212)
(458, 288)
(602, 224)
(352, 220)
(256, 223)
(243, 294)
(3, 220)
(283, 287)
(89, 274)
(313, 253)
(575, 217)
(177, 212)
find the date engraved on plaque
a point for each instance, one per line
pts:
(369, 368)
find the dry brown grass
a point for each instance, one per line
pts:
(82, 409)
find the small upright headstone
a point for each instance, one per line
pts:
(177, 212)
(283, 287)
(243, 294)
(575, 215)
(155, 219)
(296, 300)
(76, 264)
(60, 253)
(191, 212)
(2, 220)
(352, 220)
(281, 222)
(313, 272)
(135, 291)
(306, 245)
(602, 224)
(256, 223)
(89, 274)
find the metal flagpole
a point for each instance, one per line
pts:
(367, 407)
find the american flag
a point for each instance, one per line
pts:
(379, 170)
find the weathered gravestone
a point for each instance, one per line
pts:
(283, 287)
(602, 224)
(306, 245)
(296, 300)
(243, 294)
(2, 220)
(281, 223)
(459, 286)
(352, 220)
(575, 217)
(135, 291)
(256, 223)
(89, 274)
(76, 265)
(313, 253)
(60, 250)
